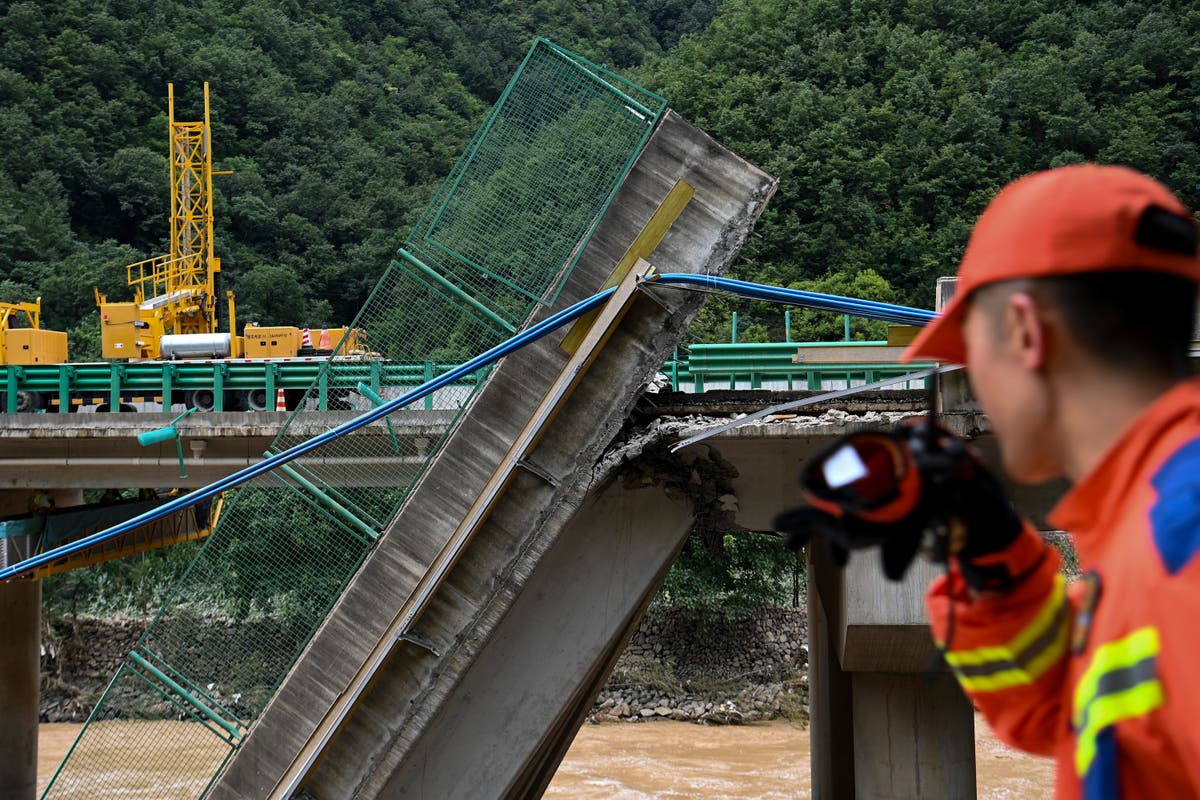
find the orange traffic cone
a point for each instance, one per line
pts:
(280, 402)
(305, 339)
(323, 343)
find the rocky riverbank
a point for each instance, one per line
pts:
(705, 667)
(711, 668)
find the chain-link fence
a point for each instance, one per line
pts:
(501, 236)
(510, 220)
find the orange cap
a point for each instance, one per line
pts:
(1065, 221)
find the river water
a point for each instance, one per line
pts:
(663, 759)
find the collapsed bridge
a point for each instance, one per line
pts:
(448, 629)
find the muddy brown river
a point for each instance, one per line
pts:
(628, 761)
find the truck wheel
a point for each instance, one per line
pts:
(202, 399)
(256, 400)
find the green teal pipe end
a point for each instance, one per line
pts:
(158, 436)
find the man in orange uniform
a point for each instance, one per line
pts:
(1074, 313)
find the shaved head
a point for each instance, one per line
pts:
(1136, 322)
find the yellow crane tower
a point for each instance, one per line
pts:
(174, 310)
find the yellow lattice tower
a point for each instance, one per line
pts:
(189, 275)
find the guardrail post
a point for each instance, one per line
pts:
(168, 376)
(65, 374)
(219, 387)
(11, 394)
(428, 378)
(115, 375)
(376, 377)
(323, 390)
(271, 381)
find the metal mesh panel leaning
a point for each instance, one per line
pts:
(510, 220)
(500, 237)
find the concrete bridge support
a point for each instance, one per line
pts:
(20, 623)
(885, 723)
(20, 656)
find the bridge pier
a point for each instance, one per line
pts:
(20, 648)
(883, 725)
(20, 655)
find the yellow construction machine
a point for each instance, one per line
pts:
(23, 340)
(174, 310)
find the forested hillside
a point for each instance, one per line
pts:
(338, 120)
(889, 124)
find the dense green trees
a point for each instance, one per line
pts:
(338, 120)
(890, 124)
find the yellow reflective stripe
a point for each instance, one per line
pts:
(1113, 655)
(1018, 675)
(1030, 653)
(1045, 616)
(1120, 683)
(1111, 709)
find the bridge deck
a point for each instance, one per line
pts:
(100, 451)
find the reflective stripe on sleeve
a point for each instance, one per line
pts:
(1040, 645)
(1120, 683)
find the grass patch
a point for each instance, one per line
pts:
(645, 672)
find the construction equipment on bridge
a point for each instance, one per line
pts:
(174, 313)
(24, 341)
(173, 317)
(175, 295)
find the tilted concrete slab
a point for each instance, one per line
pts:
(422, 696)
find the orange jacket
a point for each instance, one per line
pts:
(1103, 675)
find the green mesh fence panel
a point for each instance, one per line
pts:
(508, 221)
(141, 743)
(500, 236)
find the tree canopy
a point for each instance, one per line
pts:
(337, 119)
(891, 124)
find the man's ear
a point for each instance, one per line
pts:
(1025, 330)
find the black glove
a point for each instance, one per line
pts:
(915, 487)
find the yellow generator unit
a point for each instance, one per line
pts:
(286, 341)
(128, 331)
(275, 341)
(29, 344)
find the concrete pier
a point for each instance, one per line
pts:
(20, 642)
(20, 655)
